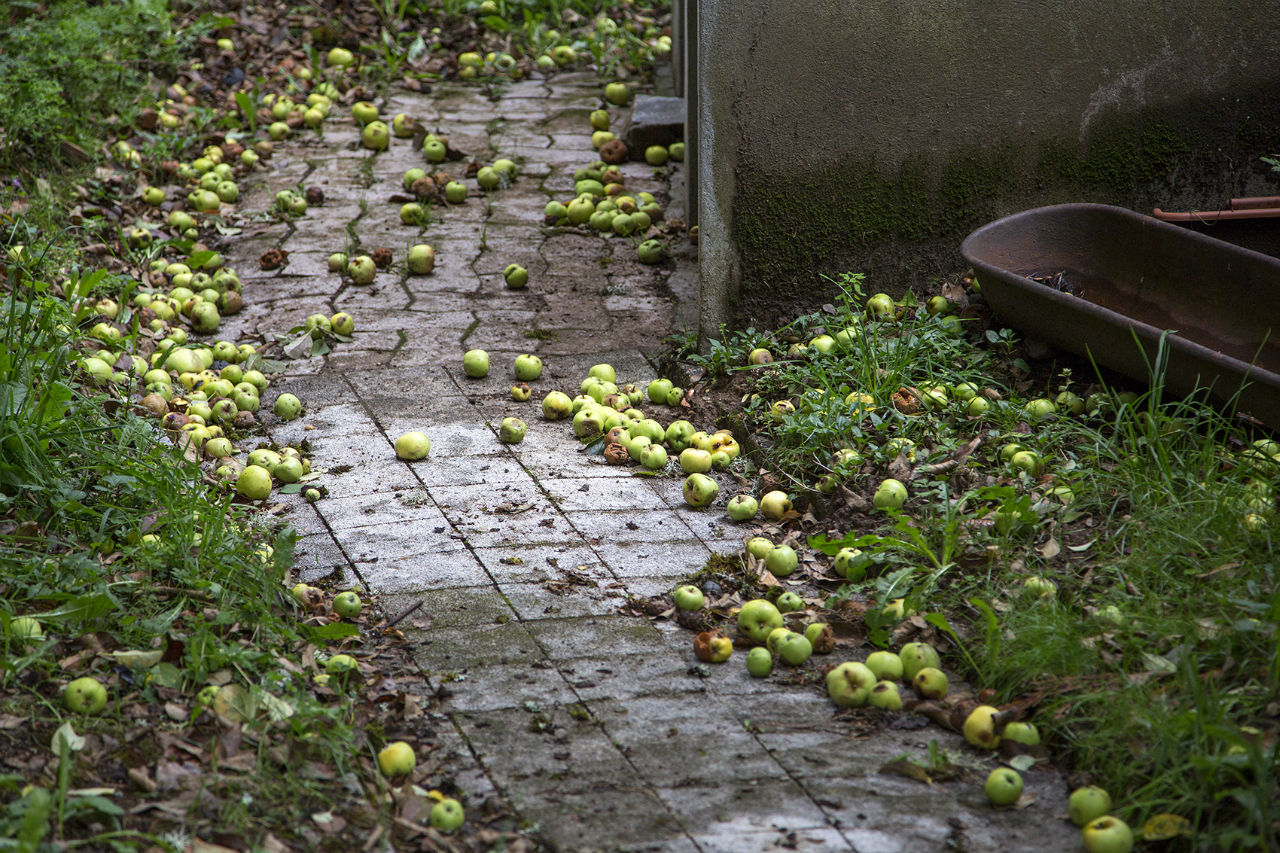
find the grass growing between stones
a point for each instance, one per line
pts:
(1116, 576)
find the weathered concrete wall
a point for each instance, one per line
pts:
(838, 135)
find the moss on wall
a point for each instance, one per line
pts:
(902, 223)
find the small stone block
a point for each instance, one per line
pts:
(654, 121)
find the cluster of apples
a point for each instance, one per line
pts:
(601, 202)
(397, 761)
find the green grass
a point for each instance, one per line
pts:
(69, 67)
(1169, 699)
(111, 532)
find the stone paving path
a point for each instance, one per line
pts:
(596, 727)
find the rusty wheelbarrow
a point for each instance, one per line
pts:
(1106, 282)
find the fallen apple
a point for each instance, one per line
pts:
(85, 695)
(342, 323)
(527, 367)
(849, 684)
(886, 665)
(287, 407)
(757, 618)
(789, 602)
(700, 490)
(512, 431)
(376, 136)
(881, 306)
(654, 457)
(396, 759)
(742, 507)
(759, 547)
(446, 815)
(759, 662)
(347, 604)
(1087, 804)
(656, 155)
(885, 695)
(455, 192)
(1107, 834)
(774, 505)
(980, 727)
(516, 276)
(1004, 786)
(476, 363)
(617, 94)
(254, 483)
(851, 564)
(413, 446)
(688, 597)
(556, 406)
(26, 629)
(695, 461)
(421, 259)
(891, 494)
(794, 649)
(917, 656)
(930, 683)
(781, 560)
(1024, 733)
(362, 270)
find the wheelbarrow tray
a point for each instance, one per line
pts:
(1105, 282)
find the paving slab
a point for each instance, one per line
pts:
(601, 730)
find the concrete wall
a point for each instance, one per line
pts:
(873, 135)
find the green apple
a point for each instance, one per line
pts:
(1107, 834)
(421, 259)
(881, 306)
(759, 547)
(1087, 804)
(758, 618)
(413, 446)
(341, 664)
(980, 727)
(700, 490)
(455, 192)
(376, 136)
(742, 507)
(527, 367)
(1024, 733)
(678, 433)
(488, 178)
(656, 155)
(759, 662)
(599, 119)
(688, 597)
(1029, 461)
(774, 505)
(885, 695)
(342, 323)
(695, 461)
(85, 695)
(887, 666)
(341, 58)
(1040, 588)
(446, 815)
(849, 684)
(435, 150)
(254, 483)
(287, 407)
(556, 406)
(26, 629)
(675, 395)
(654, 457)
(930, 683)
(794, 649)
(476, 363)
(789, 602)
(512, 430)
(851, 564)
(364, 112)
(516, 276)
(781, 560)
(396, 759)
(347, 604)
(362, 270)
(1039, 409)
(1004, 786)
(917, 656)
(403, 125)
(617, 94)
(891, 494)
